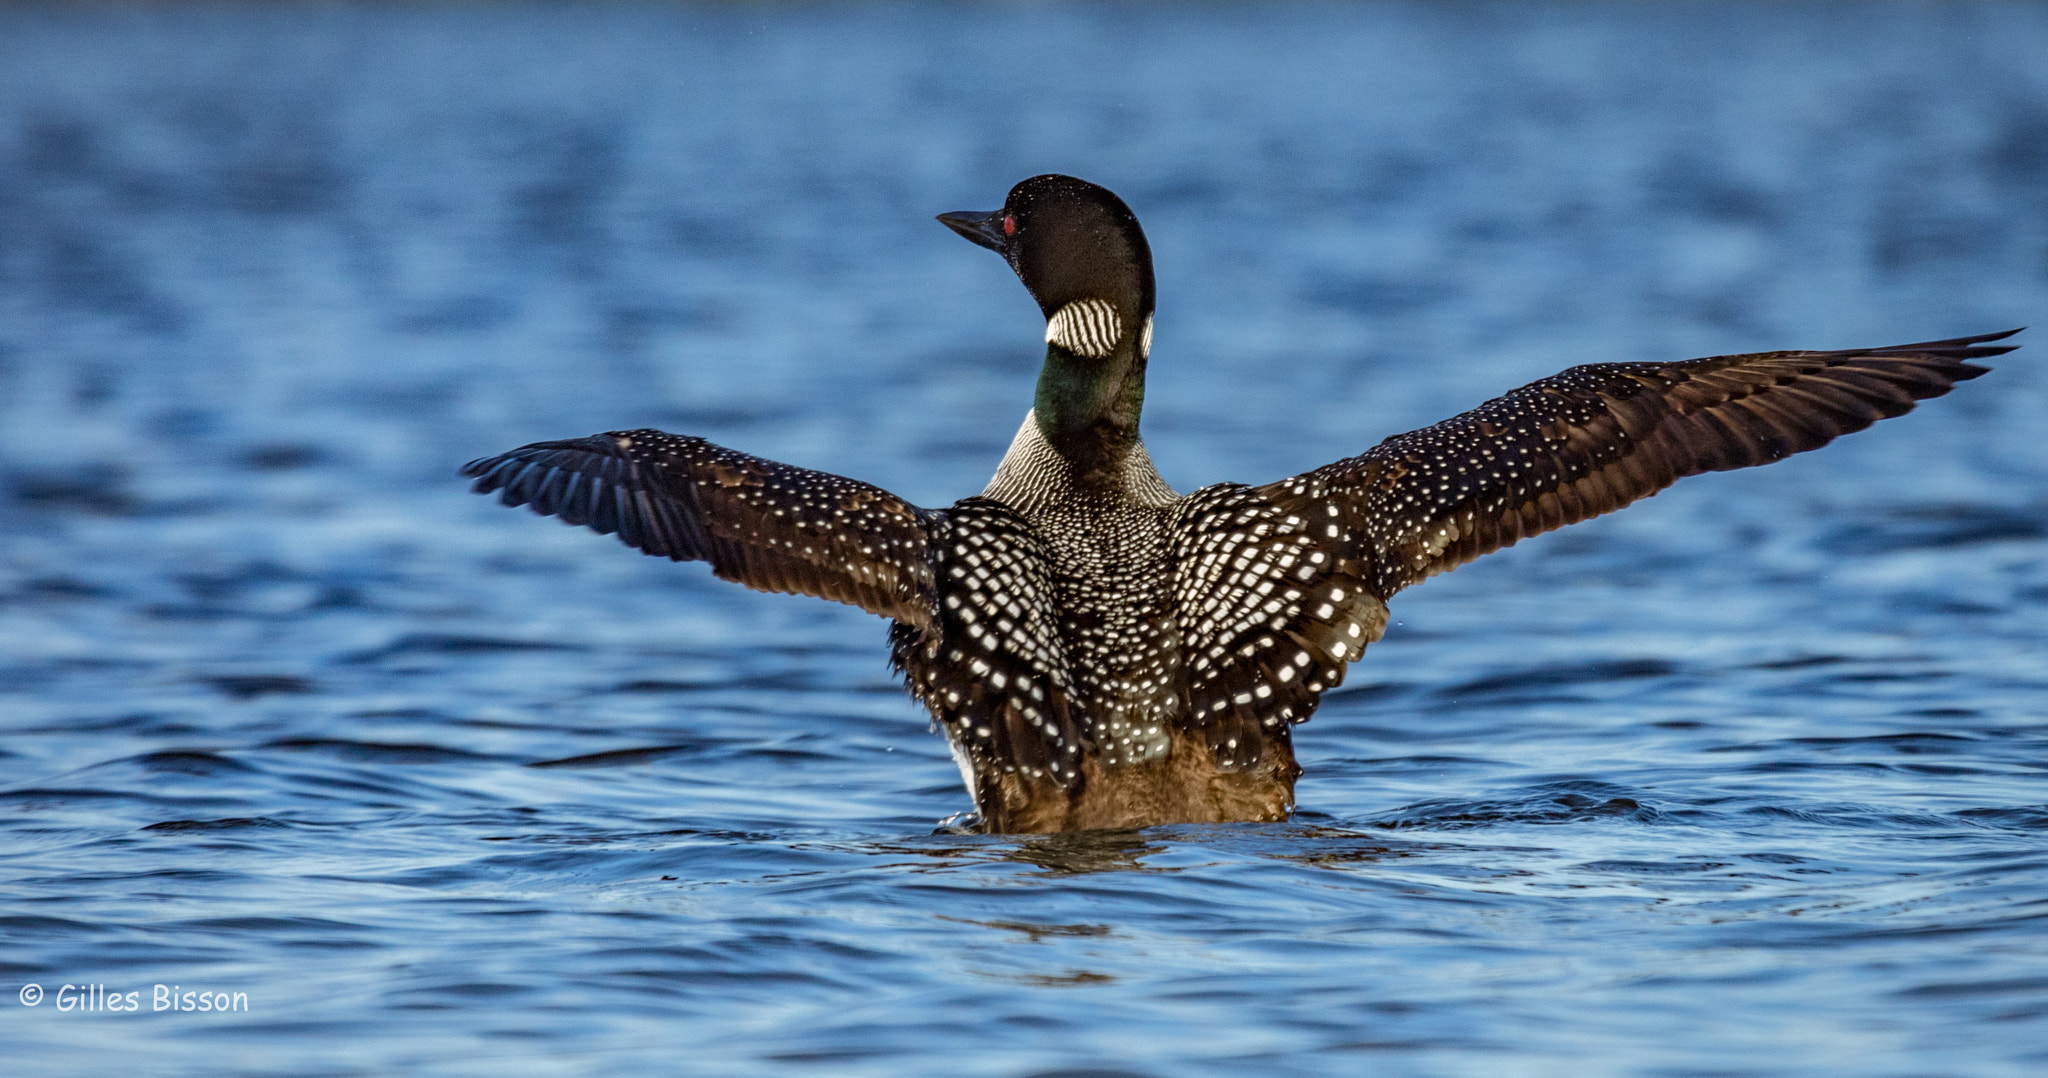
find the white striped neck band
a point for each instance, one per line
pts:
(1085, 327)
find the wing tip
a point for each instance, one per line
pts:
(1976, 346)
(489, 471)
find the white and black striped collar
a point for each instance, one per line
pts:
(1092, 328)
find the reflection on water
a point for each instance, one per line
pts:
(1090, 851)
(1747, 779)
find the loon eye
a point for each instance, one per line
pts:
(1009, 224)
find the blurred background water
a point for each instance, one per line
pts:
(1748, 779)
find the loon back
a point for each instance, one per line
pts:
(1102, 652)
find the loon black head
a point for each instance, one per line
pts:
(1069, 240)
(1079, 251)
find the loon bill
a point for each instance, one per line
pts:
(1105, 653)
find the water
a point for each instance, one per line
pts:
(1748, 779)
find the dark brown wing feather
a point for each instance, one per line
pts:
(1595, 438)
(769, 526)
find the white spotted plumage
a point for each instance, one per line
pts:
(1040, 621)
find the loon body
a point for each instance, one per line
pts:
(1103, 652)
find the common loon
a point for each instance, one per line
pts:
(1105, 653)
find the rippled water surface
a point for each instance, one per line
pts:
(1748, 779)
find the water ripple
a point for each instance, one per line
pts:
(1744, 780)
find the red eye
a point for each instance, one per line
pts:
(1009, 225)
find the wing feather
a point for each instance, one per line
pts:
(1595, 438)
(769, 526)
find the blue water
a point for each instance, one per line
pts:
(1749, 779)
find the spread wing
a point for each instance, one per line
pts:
(1595, 438)
(769, 526)
(1278, 588)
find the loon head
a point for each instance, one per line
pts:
(1079, 251)
(1070, 242)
